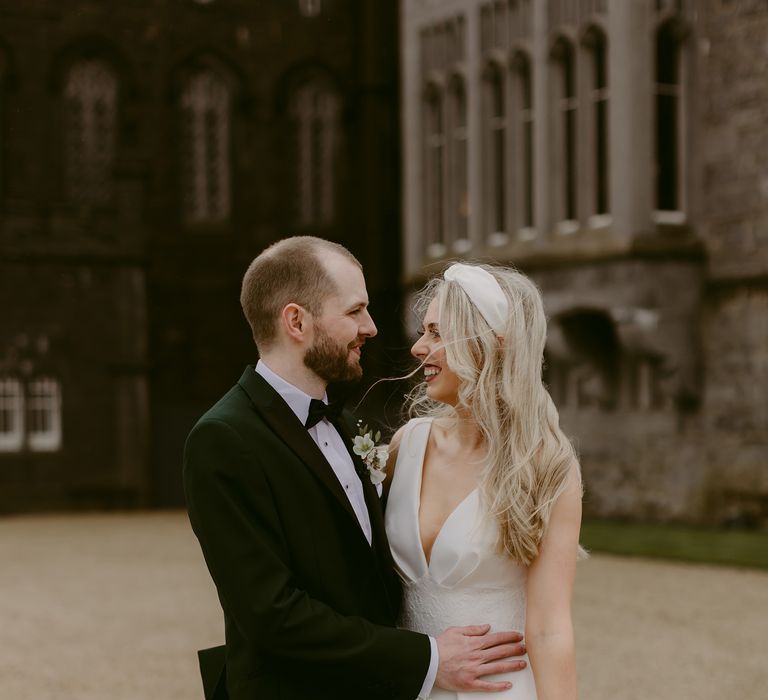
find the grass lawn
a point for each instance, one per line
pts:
(730, 547)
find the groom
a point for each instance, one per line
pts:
(288, 520)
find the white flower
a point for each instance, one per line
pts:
(376, 475)
(382, 455)
(374, 456)
(363, 445)
(377, 457)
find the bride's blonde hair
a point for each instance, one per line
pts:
(528, 455)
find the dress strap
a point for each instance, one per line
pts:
(412, 443)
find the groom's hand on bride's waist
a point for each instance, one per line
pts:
(467, 654)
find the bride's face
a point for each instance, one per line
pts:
(442, 383)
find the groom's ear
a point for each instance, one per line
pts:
(295, 322)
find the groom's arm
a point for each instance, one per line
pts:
(234, 517)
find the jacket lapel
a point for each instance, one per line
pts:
(372, 500)
(380, 549)
(284, 423)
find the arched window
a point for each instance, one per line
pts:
(596, 44)
(11, 415)
(524, 139)
(434, 170)
(315, 109)
(90, 123)
(495, 113)
(669, 160)
(566, 106)
(444, 142)
(205, 148)
(458, 203)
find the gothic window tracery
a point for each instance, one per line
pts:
(90, 123)
(205, 155)
(316, 111)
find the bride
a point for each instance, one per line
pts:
(484, 489)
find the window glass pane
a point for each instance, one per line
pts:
(205, 163)
(11, 415)
(600, 125)
(667, 121)
(315, 109)
(496, 158)
(666, 152)
(601, 157)
(666, 57)
(43, 414)
(90, 116)
(499, 180)
(434, 141)
(569, 73)
(569, 130)
(459, 204)
(599, 62)
(568, 104)
(526, 118)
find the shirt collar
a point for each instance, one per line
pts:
(296, 399)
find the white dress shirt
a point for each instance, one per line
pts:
(332, 446)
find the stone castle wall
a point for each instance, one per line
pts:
(734, 224)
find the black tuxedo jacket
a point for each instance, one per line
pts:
(309, 606)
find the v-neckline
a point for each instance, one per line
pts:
(428, 560)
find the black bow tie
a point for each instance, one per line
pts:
(319, 410)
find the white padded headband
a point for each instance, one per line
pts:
(483, 291)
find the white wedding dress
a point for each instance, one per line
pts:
(466, 582)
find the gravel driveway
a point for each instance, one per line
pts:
(113, 607)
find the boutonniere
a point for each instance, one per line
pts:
(374, 456)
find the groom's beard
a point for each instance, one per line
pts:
(330, 361)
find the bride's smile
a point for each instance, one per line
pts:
(442, 382)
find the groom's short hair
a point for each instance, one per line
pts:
(289, 271)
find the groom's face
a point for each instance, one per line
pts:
(343, 325)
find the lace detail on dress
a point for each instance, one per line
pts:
(431, 608)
